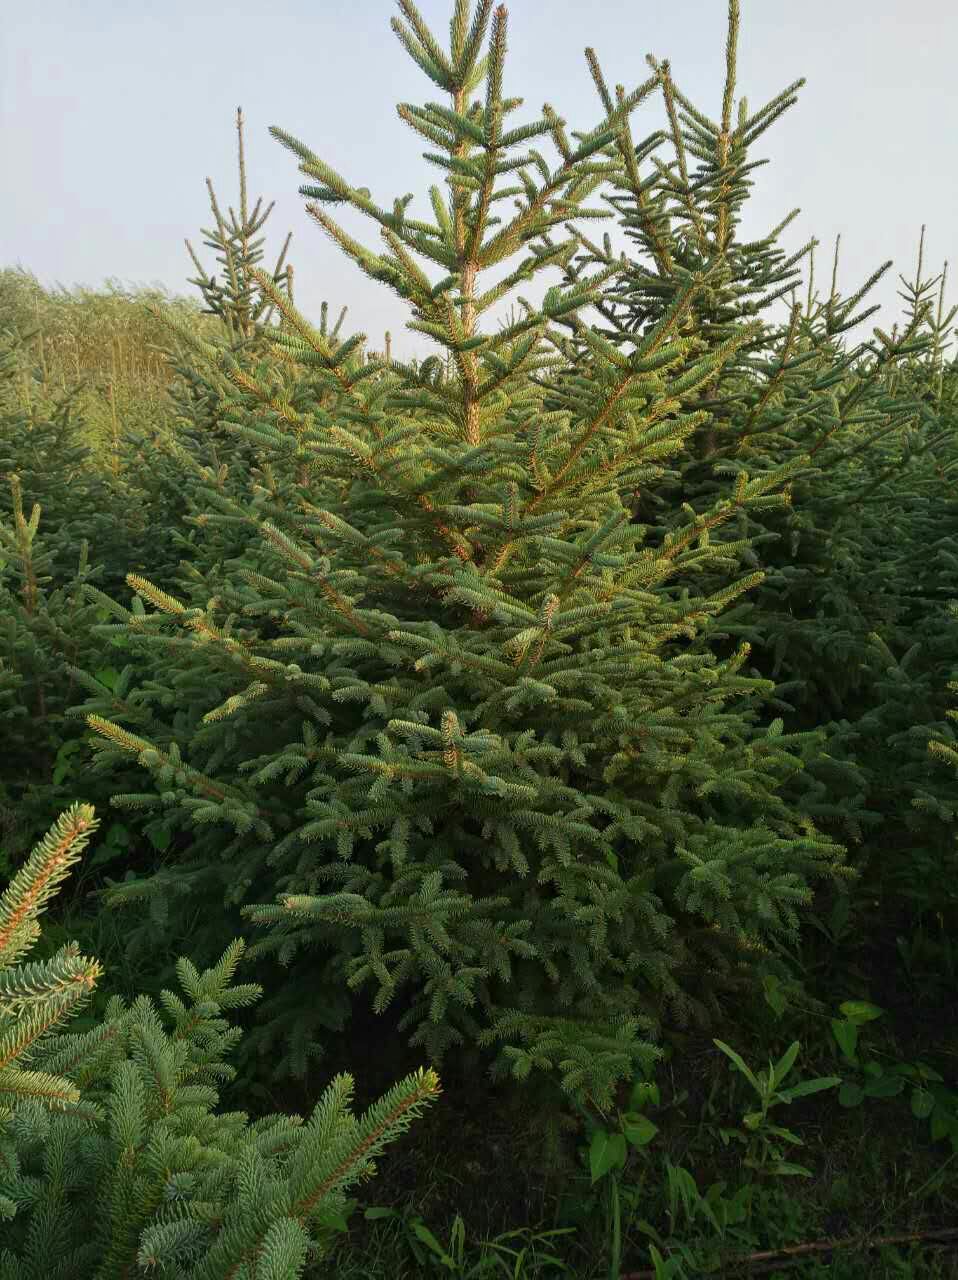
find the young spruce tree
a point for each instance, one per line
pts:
(113, 1158)
(854, 566)
(445, 730)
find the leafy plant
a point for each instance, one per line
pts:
(766, 1142)
(452, 1259)
(929, 1097)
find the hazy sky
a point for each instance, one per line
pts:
(113, 113)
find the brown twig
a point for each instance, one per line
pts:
(775, 1259)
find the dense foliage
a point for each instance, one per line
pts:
(122, 1117)
(530, 700)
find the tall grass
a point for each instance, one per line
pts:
(106, 340)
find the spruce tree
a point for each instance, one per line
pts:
(791, 395)
(38, 997)
(54, 501)
(114, 1160)
(43, 445)
(850, 584)
(449, 712)
(914, 535)
(947, 750)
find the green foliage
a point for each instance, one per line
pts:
(453, 1260)
(71, 528)
(866, 1076)
(850, 622)
(765, 1142)
(524, 693)
(113, 1152)
(448, 709)
(45, 630)
(35, 998)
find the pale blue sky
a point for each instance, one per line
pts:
(112, 114)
